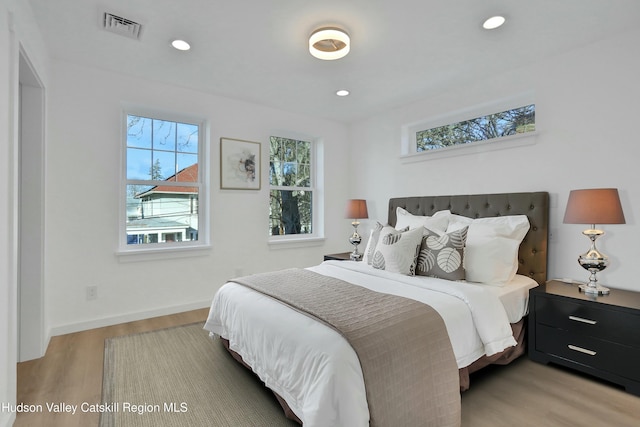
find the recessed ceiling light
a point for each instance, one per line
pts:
(329, 43)
(181, 45)
(493, 22)
(342, 92)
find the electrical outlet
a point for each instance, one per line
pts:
(92, 292)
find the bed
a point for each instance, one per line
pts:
(314, 370)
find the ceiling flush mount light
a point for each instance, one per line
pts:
(342, 92)
(329, 43)
(180, 45)
(493, 22)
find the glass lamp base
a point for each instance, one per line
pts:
(593, 261)
(355, 240)
(594, 290)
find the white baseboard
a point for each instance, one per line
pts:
(123, 318)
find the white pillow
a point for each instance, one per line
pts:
(397, 251)
(491, 252)
(438, 222)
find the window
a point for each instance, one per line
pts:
(291, 198)
(506, 123)
(164, 172)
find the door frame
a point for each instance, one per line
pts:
(31, 210)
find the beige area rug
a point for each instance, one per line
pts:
(181, 377)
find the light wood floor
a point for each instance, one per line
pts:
(522, 394)
(528, 394)
(71, 370)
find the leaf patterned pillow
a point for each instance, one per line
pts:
(369, 250)
(396, 251)
(442, 255)
(374, 236)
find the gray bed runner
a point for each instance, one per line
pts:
(410, 373)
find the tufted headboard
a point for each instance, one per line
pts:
(532, 257)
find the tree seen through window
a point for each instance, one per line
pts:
(505, 123)
(291, 191)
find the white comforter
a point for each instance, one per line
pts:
(314, 369)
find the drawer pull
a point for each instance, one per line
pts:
(580, 319)
(582, 350)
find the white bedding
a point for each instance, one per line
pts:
(317, 372)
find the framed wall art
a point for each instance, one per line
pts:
(239, 164)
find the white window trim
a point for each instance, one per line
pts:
(505, 142)
(317, 188)
(131, 253)
(295, 241)
(408, 149)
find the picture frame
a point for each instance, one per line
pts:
(240, 164)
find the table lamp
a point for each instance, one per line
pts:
(356, 209)
(594, 206)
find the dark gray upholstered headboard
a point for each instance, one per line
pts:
(532, 257)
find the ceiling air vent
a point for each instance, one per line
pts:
(123, 26)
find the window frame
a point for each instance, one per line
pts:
(317, 205)
(408, 146)
(166, 249)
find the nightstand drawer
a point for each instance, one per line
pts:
(579, 318)
(595, 353)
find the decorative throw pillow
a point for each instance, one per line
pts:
(397, 251)
(442, 255)
(438, 222)
(491, 252)
(374, 235)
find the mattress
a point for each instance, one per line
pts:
(514, 296)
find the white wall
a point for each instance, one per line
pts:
(82, 206)
(587, 112)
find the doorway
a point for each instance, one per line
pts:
(31, 173)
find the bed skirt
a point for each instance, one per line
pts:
(287, 411)
(503, 358)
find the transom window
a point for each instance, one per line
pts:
(506, 123)
(165, 186)
(291, 187)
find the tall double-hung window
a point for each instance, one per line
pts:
(165, 194)
(292, 193)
